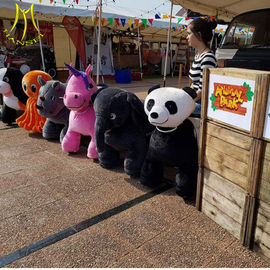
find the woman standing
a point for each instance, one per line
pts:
(200, 33)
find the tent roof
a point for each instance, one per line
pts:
(55, 14)
(224, 9)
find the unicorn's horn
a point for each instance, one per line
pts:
(73, 70)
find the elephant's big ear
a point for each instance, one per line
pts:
(137, 110)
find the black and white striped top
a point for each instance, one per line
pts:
(206, 60)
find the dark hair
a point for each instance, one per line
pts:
(204, 27)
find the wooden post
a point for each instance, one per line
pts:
(259, 105)
(180, 76)
(119, 53)
(202, 143)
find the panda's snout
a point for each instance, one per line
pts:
(154, 115)
(158, 115)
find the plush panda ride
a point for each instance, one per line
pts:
(14, 98)
(173, 142)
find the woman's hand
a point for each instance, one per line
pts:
(199, 94)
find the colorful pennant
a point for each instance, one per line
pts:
(150, 21)
(144, 21)
(123, 22)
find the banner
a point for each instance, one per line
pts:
(75, 31)
(106, 65)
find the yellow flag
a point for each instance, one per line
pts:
(165, 16)
(130, 21)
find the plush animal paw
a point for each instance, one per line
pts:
(184, 186)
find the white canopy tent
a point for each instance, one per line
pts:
(55, 13)
(223, 9)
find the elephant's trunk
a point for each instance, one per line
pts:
(101, 126)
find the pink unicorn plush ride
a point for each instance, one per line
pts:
(82, 117)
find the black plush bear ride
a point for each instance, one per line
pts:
(121, 125)
(173, 142)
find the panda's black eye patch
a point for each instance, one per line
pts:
(171, 106)
(150, 104)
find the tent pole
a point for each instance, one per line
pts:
(99, 32)
(171, 58)
(41, 50)
(140, 53)
(93, 49)
(167, 47)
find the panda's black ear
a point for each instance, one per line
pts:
(190, 91)
(153, 88)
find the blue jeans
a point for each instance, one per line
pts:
(197, 111)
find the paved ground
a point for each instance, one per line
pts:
(60, 210)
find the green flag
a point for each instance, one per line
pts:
(110, 20)
(179, 20)
(144, 22)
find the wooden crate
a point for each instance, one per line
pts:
(226, 177)
(231, 150)
(261, 232)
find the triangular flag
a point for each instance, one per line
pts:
(123, 22)
(144, 21)
(40, 1)
(130, 22)
(77, 1)
(165, 16)
(136, 21)
(179, 20)
(64, 1)
(117, 21)
(174, 29)
(187, 18)
(103, 21)
(110, 20)
(151, 21)
(51, 1)
(157, 16)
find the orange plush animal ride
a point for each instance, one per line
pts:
(31, 120)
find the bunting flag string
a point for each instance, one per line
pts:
(136, 21)
(123, 21)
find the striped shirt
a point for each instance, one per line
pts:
(206, 60)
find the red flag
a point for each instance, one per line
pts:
(103, 21)
(75, 31)
(136, 21)
(151, 21)
(117, 21)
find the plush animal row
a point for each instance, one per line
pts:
(117, 122)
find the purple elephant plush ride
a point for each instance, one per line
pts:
(82, 117)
